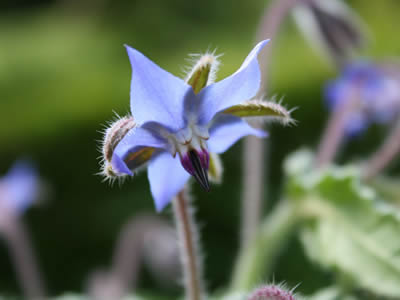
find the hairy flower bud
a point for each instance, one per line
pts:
(271, 292)
(332, 27)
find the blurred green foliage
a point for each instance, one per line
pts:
(63, 73)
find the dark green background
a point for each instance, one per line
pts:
(64, 70)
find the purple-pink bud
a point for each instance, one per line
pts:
(271, 292)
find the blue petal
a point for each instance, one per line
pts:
(239, 87)
(21, 186)
(136, 138)
(227, 130)
(167, 178)
(156, 95)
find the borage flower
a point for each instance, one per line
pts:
(177, 125)
(19, 188)
(375, 91)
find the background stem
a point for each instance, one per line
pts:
(22, 255)
(334, 132)
(385, 154)
(255, 149)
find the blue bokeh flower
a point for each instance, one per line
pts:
(176, 128)
(375, 91)
(19, 188)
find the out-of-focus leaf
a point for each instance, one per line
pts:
(387, 187)
(331, 293)
(348, 230)
(71, 296)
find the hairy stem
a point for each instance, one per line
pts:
(255, 149)
(23, 258)
(385, 154)
(189, 249)
(256, 261)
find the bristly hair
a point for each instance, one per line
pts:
(198, 60)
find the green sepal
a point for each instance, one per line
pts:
(199, 78)
(215, 168)
(268, 111)
(203, 72)
(139, 158)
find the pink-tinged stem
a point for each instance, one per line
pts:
(334, 133)
(22, 255)
(255, 149)
(385, 154)
(189, 249)
(128, 253)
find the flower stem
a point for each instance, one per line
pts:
(385, 154)
(22, 255)
(255, 149)
(256, 261)
(334, 132)
(189, 249)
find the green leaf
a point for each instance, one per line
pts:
(348, 230)
(331, 293)
(387, 187)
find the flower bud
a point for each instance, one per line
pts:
(271, 292)
(331, 27)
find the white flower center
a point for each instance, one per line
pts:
(189, 138)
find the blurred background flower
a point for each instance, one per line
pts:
(63, 70)
(374, 89)
(19, 188)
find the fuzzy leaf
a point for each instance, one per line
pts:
(348, 229)
(267, 111)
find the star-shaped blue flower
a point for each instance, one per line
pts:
(177, 126)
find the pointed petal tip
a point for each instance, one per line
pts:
(128, 48)
(119, 165)
(159, 206)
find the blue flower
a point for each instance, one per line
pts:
(375, 91)
(176, 124)
(19, 188)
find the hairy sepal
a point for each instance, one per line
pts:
(203, 71)
(265, 111)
